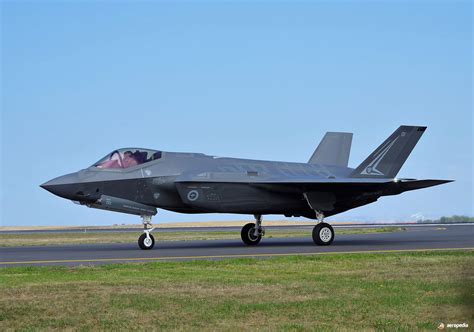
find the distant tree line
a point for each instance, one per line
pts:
(447, 220)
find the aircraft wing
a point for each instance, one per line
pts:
(330, 195)
(305, 184)
(339, 195)
(409, 184)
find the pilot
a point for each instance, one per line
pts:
(129, 159)
(140, 156)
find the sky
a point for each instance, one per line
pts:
(259, 80)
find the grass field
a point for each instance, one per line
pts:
(345, 292)
(40, 239)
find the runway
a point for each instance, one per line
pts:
(427, 238)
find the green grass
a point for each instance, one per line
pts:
(42, 239)
(406, 291)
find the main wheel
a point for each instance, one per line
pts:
(323, 234)
(146, 243)
(248, 235)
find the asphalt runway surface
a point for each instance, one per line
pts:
(419, 238)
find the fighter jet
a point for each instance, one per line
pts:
(138, 181)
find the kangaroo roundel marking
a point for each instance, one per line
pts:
(193, 195)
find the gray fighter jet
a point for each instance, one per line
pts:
(138, 181)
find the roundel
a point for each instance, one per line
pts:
(193, 195)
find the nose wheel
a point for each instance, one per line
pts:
(146, 241)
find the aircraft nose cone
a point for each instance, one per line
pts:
(63, 186)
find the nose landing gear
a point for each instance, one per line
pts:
(146, 241)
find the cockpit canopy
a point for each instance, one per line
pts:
(128, 157)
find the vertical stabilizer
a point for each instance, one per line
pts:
(388, 158)
(334, 149)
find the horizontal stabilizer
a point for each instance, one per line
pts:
(334, 149)
(420, 184)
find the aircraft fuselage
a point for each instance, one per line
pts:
(154, 184)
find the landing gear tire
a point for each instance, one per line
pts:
(248, 235)
(146, 243)
(323, 234)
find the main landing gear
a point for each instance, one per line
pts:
(251, 233)
(323, 233)
(146, 241)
